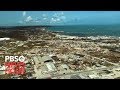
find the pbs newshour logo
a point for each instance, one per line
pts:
(14, 58)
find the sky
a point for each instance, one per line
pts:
(12, 18)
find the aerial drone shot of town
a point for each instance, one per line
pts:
(59, 44)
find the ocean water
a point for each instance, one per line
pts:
(88, 30)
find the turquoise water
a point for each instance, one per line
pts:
(88, 30)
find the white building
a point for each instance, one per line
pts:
(2, 39)
(51, 67)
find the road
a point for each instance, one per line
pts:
(86, 71)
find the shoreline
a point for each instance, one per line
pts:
(59, 32)
(50, 54)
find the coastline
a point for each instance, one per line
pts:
(53, 55)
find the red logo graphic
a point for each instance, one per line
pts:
(17, 68)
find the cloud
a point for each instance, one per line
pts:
(55, 15)
(58, 17)
(44, 18)
(62, 13)
(59, 14)
(20, 22)
(37, 21)
(55, 18)
(44, 15)
(63, 17)
(32, 20)
(24, 13)
(28, 19)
